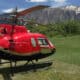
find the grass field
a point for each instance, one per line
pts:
(68, 49)
(66, 63)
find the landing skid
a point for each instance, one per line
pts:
(13, 64)
(13, 59)
(32, 66)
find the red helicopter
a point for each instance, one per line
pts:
(17, 43)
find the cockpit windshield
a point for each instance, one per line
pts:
(42, 41)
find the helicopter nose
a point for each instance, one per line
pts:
(53, 50)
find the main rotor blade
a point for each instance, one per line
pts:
(26, 11)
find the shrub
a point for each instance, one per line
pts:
(71, 27)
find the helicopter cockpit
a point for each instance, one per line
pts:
(43, 42)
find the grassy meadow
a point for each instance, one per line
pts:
(66, 63)
(67, 49)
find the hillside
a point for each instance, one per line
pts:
(52, 15)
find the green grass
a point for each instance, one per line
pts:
(67, 49)
(66, 63)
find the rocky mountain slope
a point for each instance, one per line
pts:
(52, 15)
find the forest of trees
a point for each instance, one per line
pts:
(71, 27)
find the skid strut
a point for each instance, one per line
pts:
(12, 67)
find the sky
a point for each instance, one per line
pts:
(8, 5)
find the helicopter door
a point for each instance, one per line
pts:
(44, 45)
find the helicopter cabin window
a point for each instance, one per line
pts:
(33, 42)
(42, 42)
(3, 31)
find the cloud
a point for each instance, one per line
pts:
(11, 10)
(8, 10)
(53, 3)
(59, 1)
(36, 0)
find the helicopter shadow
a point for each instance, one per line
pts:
(7, 72)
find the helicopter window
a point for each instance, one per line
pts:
(3, 30)
(33, 42)
(42, 41)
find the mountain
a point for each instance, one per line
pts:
(52, 15)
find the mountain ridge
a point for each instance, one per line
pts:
(52, 15)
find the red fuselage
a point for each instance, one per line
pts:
(23, 43)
